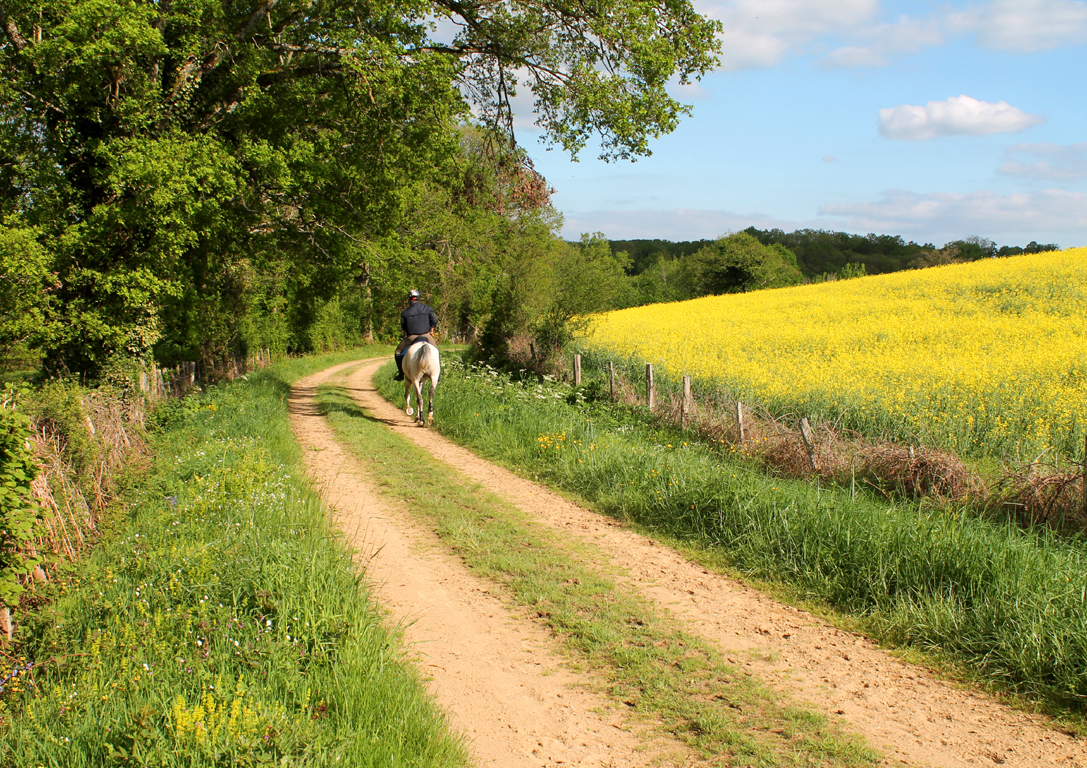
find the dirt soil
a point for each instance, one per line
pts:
(502, 679)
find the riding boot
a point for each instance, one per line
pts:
(399, 367)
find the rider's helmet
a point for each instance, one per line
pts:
(414, 294)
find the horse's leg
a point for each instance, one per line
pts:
(419, 400)
(430, 402)
(407, 399)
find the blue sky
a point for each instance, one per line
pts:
(934, 121)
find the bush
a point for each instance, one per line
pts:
(18, 510)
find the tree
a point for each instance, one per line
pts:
(586, 277)
(851, 270)
(666, 279)
(973, 248)
(546, 292)
(24, 286)
(1031, 247)
(739, 262)
(188, 165)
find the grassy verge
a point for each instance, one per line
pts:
(217, 621)
(1009, 604)
(668, 678)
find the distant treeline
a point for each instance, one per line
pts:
(822, 254)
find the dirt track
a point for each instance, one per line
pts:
(502, 679)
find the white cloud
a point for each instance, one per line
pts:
(829, 159)
(904, 35)
(790, 18)
(689, 92)
(959, 115)
(853, 56)
(744, 49)
(1046, 161)
(1051, 215)
(760, 33)
(1025, 25)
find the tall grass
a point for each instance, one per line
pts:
(1011, 604)
(218, 621)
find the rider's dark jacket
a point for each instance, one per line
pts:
(418, 318)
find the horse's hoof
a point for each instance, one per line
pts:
(430, 421)
(409, 411)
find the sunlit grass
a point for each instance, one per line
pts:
(1009, 604)
(218, 621)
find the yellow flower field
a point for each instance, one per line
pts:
(985, 359)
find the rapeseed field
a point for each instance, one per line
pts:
(987, 359)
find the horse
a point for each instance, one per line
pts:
(421, 361)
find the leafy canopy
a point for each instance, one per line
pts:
(192, 167)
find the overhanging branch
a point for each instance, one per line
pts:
(11, 31)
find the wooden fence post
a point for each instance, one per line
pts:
(805, 433)
(740, 421)
(611, 378)
(577, 370)
(685, 406)
(650, 392)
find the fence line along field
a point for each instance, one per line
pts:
(987, 359)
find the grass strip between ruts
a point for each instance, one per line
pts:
(667, 677)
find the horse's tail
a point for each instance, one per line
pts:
(430, 362)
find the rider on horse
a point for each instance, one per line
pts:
(418, 322)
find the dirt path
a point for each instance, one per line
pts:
(498, 675)
(898, 708)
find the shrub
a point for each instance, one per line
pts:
(18, 510)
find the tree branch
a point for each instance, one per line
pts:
(288, 48)
(254, 19)
(11, 30)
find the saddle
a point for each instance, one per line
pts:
(423, 337)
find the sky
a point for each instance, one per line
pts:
(933, 121)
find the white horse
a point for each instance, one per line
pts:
(421, 361)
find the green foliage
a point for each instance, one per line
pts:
(681, 271)
(666, 279)
(218, 622)
(645, 253)
(851, 270)
(820, 252)
(202, 178)
(1031, 247)
(24, 286)
(58, 407)
(584, 278)
(739, 263)
(548, 290)
(18, 509)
